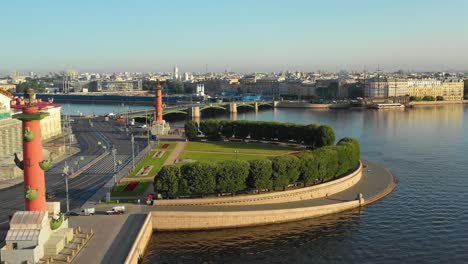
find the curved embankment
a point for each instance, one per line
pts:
(375, 182)
(301, 194)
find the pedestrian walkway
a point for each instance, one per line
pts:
(175, 153)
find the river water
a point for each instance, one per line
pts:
(424, 220)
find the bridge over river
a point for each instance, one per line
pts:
(196, 110)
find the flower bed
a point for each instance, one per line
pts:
(144, 171)
(158, 154)
(165, 146)
(131, 186)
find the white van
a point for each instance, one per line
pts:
(116, 210)
(88, 211)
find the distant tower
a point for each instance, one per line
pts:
(158, 105)
(159, 126)
(176, 73)
(33, 163)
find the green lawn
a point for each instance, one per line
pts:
(170, 147)
(213, 157)
(199, 151)
(139, 189)
(148, 160)
(230, 147)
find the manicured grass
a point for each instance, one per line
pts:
(230, 147)
(157, 163)
(170, 147)
(200, 151)
(149, 160)
(213, 157)
(139, 189)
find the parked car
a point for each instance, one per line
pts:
(88, 211)
(116, 210)
(73, 214)
(142, 126)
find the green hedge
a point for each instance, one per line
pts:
(312, 135)
(277, 172)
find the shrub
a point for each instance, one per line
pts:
(308, 168)
(211, 128)
(167, 180)
(191, 129)
(231, 176)
(260, 174)
(327, 159)
(325, 137)
(197, 178)
(312, 135)
(285, 170)
(439, 98)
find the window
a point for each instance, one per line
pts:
(15, 245)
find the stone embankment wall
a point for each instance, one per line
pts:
(287, 104)
(420, 103)
(300, 194)
(217, 220)
(141, 241)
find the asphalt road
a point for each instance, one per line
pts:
(81, 187)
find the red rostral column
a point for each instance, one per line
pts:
(33, 163)
(158, 105)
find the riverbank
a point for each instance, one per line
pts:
(375, 183)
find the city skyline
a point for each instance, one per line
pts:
(239, 37)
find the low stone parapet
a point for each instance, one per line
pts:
(186, 220)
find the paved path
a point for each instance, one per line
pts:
(113, 237)
(175, 153)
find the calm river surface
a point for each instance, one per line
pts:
(424, 220)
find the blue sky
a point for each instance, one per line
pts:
(253, 35)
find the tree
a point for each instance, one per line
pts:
(231, 176)
(197, 178)
(428, 98)
(260, 174)
(227, 129)
(285, 170)
(325, 136)
(211, 128)
(327, 159)
(38, 85)
(167, 180)
(354, 148)
(439, 98)
(191, 129)
(308, 168)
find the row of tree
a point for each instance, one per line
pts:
(275, 173)
(313, 135)
(426, 98)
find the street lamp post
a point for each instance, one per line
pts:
(65, 173)
(114, 151)
(133, 152)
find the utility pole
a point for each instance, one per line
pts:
(65, 173)
(133, 152)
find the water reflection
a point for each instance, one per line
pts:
(281, 243)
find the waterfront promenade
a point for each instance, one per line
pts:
(115, 235)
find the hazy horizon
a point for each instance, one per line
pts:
(240, 36)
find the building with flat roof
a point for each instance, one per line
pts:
(450, 89)
(115, 86)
